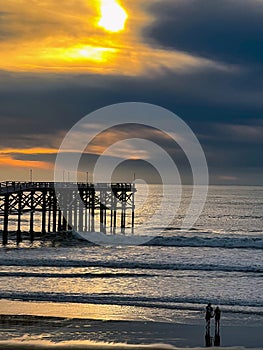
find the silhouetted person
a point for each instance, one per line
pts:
(217, 320)
(217, 340)
(208, 315)
(208, 340)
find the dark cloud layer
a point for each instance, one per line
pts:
(227, 116)
(225, 30)
(53, 104)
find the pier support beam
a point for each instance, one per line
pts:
(44, 212)
(123, 213)
(6, 208)
(54, 222)
(92, 210)
(18, 233)
(31, 228)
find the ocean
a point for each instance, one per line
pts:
(168, 280)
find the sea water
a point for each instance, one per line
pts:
(170, 279)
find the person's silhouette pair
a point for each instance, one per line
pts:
(210, 313)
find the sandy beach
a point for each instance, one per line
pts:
(92, 346)
(121, 332)
(25, 329)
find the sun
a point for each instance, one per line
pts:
(113, 16)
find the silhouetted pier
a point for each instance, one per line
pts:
(59, 207)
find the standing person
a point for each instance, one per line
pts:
(217, 320)
(208, 315)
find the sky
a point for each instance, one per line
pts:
(200, 59)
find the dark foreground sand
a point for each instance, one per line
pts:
(34, 328)
(90, 346)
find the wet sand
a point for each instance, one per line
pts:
(35, 328)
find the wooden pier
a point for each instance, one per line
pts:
(59, 207)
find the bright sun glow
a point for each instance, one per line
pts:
(113, 16)
(98, 54)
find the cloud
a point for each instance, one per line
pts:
(228, 178)
(201, 59)
(226, 115)
(55, 102)
(224, 30)
(4, 32)
(52, 37)
(12, 162)
(43, 19)
(245, 134)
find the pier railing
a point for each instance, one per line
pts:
(13, 186)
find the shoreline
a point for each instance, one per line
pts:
(28, 328)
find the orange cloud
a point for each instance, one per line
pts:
(7, 158)
(11, 162)
(28, 151)
(228, 178)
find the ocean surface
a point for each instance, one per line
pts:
(170, 279)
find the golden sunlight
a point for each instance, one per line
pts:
(99, 54)
(113, 16)
(81, 40)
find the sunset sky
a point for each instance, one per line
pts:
(201, 59)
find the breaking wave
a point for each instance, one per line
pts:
(213, 242)
(176, 303)
(123, 265)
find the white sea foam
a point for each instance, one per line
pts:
(217, 242)
(200, 239)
